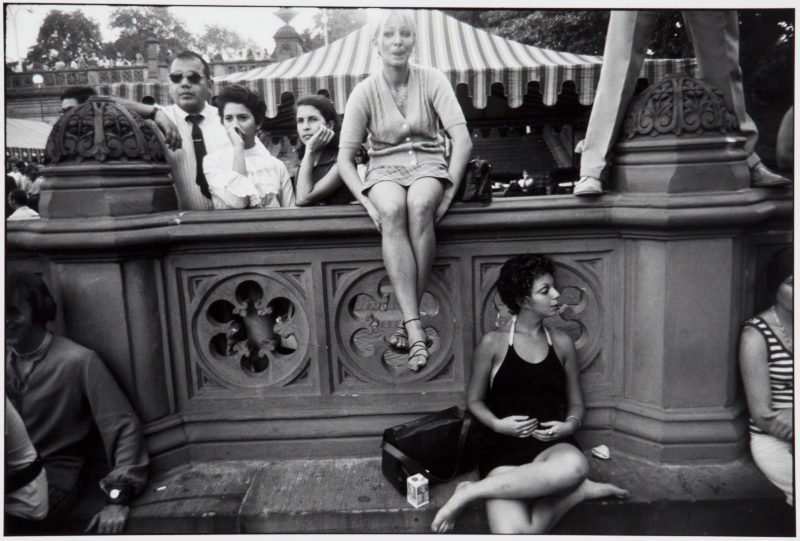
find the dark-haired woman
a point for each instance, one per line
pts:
(317, 181)
(65, 396)
(245, 175)
(766, 360)
(526, 399)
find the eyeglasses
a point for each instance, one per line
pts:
(192, 77)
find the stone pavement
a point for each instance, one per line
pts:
(350, 495)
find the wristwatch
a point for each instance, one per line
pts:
(118, 495)
(154, 112)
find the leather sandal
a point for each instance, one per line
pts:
(399, 340)
(418, 355)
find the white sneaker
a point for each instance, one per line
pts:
(588, 186)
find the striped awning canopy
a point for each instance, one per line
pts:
(28, 134)
(465, 54)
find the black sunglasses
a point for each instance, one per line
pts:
(192, 77)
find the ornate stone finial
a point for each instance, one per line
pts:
(103, 131)
(679, 105)
(286, 14)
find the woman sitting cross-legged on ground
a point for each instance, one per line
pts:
(245, 174)
(526, 399)
(766, 360)
(409, 185)
(317, 180)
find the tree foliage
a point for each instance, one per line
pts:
(578, 31)
(341, 21)
(138, 24)
(66, 36)
(217, 39)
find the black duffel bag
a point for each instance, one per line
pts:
(434, 445)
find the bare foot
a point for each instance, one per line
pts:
(591, 490)
(445, 519)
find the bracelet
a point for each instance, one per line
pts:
(576, 419)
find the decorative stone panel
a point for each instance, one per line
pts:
(102, 130)
(679, 105)
(249, 328)
(366, 314)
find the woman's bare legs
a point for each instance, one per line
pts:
(556, 469)
(423, 198)
(398, 254)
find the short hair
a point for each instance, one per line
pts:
(517, 276)
(189, 55)
(243, 96)
(406, 16)
(81, 94)
(19, 164)
(149, 100)
(32, 171)
(31, 288)
(328, 111)
(779, 267)
(19, 197)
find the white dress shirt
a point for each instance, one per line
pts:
(182, 161)
(266, 184)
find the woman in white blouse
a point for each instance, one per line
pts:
(245, 175)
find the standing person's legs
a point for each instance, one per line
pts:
(623, 55)
(715, 37)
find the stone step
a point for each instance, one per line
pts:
(350, 495)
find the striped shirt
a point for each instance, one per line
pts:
(781, 369)
(182, 161)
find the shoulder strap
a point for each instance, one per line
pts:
(547, 335)
(511, 330)
(412, 465)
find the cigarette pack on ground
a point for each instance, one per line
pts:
(417, 492)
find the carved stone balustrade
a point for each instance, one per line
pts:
(680, 136)
(263, 333)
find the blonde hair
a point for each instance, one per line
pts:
(406, 17)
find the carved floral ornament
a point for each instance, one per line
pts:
(679, 105)
(252, 331)
(103, 131)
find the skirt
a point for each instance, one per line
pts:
(405, 175)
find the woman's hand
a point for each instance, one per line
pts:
(516, 426)
(553, 430)
(235, 137)
(319, 140)
(373, 212)
(781, 424)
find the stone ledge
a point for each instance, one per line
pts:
(350, 495)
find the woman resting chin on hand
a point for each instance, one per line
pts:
(245, 175)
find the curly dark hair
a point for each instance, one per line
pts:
(243, 96)
(32, 288)
(517, 276)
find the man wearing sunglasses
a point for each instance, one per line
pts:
(198, 125)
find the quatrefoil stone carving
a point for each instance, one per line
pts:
(252, 331)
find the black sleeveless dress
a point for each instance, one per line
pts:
(519, 387)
